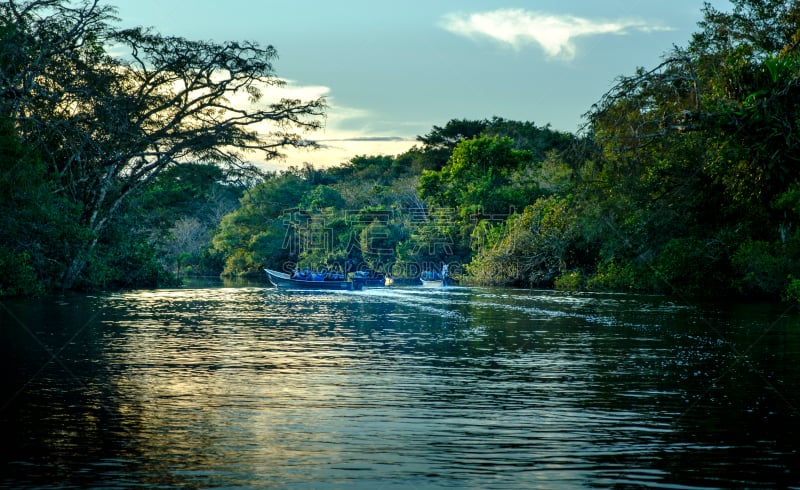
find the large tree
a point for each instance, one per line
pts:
(107, 109)
(735, 86)
(478, 177)
(700, 153)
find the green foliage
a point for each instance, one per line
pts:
(255, 235)
(684, 181)
(379, 169)
(378, 241)
(440, 142)
(792, 291)
(689, 267)
(569, 281)
(616, 275)
(764, 269)
(17, 275)
(37, 226)
(322, 197)
(181, 210)
(531, 248)
(105, 125)
(697, 176)
(477, 177)
(128, 263)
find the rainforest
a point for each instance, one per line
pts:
(132, 172)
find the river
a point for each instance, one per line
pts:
(246, 386)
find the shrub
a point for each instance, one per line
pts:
(614, 276)
(569, 281)
(792, 291)
(762, 268)
(17, 275)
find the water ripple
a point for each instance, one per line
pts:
(401, 388)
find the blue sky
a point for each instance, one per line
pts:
(393, 70)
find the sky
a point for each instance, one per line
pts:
(390, 71)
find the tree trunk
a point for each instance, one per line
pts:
(77, 265)
(72, 273)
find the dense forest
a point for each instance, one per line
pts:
(132, 172)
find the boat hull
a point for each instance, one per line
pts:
(284, 281)
(436, 282)
(432, 283)
(402, 281)
(369, 280)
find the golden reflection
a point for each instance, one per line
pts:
(254, 388)
(192, 376)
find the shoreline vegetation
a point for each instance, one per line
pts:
(132, 171)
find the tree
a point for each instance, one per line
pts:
(737, 85)
(698, 153)
(181, 209)
(527, 136)
(531, 247)
(261, 232)
(35, 223)
(440, 141)
(105, 126)
(476, 178)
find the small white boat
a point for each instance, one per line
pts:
(433, 279)
(432, 282)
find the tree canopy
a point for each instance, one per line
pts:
(104, 125)
(683, 181)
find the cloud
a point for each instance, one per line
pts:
(369, 139)
(553, 33)
(346, 132)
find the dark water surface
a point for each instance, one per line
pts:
(250, 387)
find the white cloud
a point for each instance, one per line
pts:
(345, 134)
(553, 33)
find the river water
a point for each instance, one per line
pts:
(251, 387)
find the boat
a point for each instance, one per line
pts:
(432, 282)
(402, 281)
(314, 281)
(370, 279)
(433, 279)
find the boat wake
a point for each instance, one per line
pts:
(466, 304)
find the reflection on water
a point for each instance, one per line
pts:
(396, 388)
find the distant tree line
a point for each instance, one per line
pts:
(684, 180)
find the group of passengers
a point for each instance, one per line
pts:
(309, 275)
